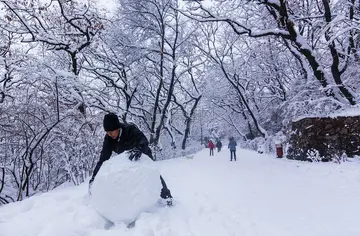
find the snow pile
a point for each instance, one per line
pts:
(123, 189)
(352, 111)
(258, 195)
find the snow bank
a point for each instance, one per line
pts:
(351, 111)
(258, 195)
(123, 189)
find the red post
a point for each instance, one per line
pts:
(279, 150)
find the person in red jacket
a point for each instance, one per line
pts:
(211, 146)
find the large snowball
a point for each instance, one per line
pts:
(123, 189)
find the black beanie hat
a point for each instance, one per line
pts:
(111, 122)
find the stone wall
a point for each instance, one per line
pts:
(325, 137)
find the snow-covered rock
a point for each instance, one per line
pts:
(123, 189)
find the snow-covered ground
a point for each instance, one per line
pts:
(258, 195)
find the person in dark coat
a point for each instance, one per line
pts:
(211, 146)
(232, 146)
(122, 137)
(219, 145)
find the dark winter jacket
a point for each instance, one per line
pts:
(232, 145)
(130, 137)
(219, 144)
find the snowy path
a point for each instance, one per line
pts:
(258, 195)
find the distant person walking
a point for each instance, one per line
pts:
(211, 147)
(232, 146)
(219, 145)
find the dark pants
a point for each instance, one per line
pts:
(211, 151)
(165, 191)
(232, 152)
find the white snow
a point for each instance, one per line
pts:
(353, 111)
(258, 195)
(123, 189)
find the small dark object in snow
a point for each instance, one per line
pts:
(131, 225)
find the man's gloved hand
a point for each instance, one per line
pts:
(135, 154)
(165, 193)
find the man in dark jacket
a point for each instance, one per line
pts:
(219, 145)
(122, 137)
(232, 146)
